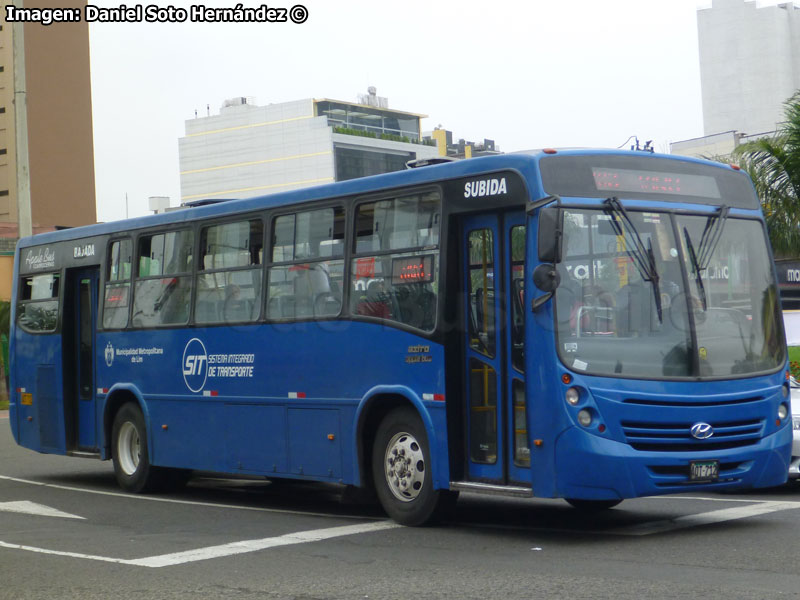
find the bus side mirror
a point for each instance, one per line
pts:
(550, 235)
(545, 277)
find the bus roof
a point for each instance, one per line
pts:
(523, 162)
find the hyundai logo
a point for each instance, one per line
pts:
(701, 431)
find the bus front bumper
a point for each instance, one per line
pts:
(593, 468)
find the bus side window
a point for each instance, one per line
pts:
(305, 279)
(38, 302)
(397, 258)
(118, 285)
(163, 287)
(229, 277)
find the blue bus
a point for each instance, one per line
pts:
(589, 325)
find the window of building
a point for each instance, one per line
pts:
(37, 310)
(229, 281)
(163, 287)
(352, 163)
(3, 192)
(305, 280)
(394, 273)
(118, 285)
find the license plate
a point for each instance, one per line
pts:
(704, 470)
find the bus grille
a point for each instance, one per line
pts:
(692, 403)
(675, 437)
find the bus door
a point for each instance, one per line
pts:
(83, 288)
(493, 247)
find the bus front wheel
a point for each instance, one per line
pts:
(132, 466)
(401, 468)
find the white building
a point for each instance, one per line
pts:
(749, 67)
(248, 150)
(749, 64)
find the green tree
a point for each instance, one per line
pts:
(5, 317)
(773, 164)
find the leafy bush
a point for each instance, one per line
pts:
(794, 361)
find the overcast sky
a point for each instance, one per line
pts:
(526, 74)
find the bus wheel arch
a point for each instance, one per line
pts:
(115, 401)
(402, 469)
(125, 425)
(129, 451)
(373, 411)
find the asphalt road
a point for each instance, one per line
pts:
(67, 531)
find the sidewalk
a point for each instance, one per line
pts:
(3, 414)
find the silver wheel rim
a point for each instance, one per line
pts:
(128, 447)
(404, 465)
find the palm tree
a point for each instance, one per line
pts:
(773, 164)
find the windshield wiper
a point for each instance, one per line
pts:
(642, 257)
(701, 289)
(711, 236)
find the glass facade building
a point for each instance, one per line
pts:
(368, 119)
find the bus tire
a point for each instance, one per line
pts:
(132, 466)
(592, 505)
(401, 469)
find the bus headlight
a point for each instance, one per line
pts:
(783, 411)
(572, 396)
(584, 417)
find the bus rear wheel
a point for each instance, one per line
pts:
(132, 466)
(401, 469)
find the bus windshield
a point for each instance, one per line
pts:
(665, 295)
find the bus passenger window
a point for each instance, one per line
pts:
(163, 287)
(518, 297)
(481, 291)
(118, 285)
(229, 281)
(38, 303)
(305, 280)
(393, 276)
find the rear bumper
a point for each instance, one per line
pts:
(593, 468)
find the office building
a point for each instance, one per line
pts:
(60, 139)
(749, 67)
(462, 148)
(249, 150)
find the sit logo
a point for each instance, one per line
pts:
(195, 365)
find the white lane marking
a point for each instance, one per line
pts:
(301, 537)
(706, 518)
(186, 502)
(178, 558)
(31, 508)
